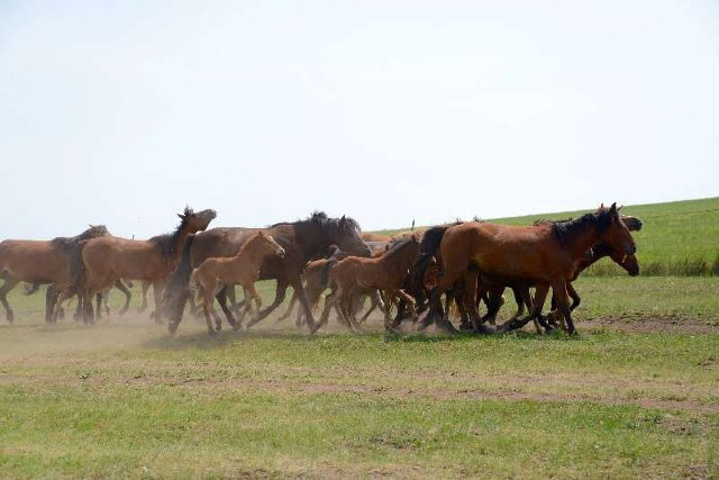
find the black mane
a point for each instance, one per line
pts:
(69, 242)
(167, 241)
(335, 226)
(564, 229)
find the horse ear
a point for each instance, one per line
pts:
(261, 234)
(181, 216)
(613, 208)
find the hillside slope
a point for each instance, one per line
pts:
(678, 238)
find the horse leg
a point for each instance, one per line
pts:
(121, 286)
(330, 301)
(98, 301)
(143, 305)
(347, 296)
(519, 298)
(540, 296)
(296, 283)
(206, 305)
(559, 289)
(157, 289)
(280, 292)
(409, 301)
(87, 313)
(50, 300)
(7, 286)
(375, 302)
(236, 307)
(288, 312)
(493, 300)
(221, 297)
(576, 299)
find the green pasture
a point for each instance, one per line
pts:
(678, 238)
(634, 395)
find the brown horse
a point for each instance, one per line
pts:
(302, 240)
(242, 269)
(544, 255)
(494, 287)
(387, 272)
(108, 259)
(38, 263)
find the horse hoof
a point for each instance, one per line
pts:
(10, 317)
(172, 328)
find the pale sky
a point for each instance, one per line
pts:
(124, 112)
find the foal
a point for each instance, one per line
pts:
(243, 268)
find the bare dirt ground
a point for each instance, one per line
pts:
(653, 324)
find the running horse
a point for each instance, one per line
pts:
(355, 275)
(494, 287)
(302, 241)
(40, 262)
(242, 269)
(105, 260)
(543, 255)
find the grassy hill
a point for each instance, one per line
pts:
(678, 238)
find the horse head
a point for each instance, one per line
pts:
(271, 244)
(347, 237)
(613, 231)
(196, 222)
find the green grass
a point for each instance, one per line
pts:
(678, 238)
(122, 399)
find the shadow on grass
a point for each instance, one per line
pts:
(203, 341)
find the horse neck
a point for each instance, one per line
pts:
(311, 239)
(178, 240)
(581, 238)
(86, 235)
(401, 259)
(599, 251)
(253, 253)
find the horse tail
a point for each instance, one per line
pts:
(32, 288)
(176, 291)
(325, 273)
(428, 252)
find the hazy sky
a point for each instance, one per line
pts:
(123, 112)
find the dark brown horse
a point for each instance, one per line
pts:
(39, 263)
(544, 255)
(105, 260)
(302, 241)
(355, 275)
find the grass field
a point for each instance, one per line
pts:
(634, 395)
(678, 238)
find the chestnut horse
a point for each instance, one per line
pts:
(105, 260)
(242, 269)
(543, 255)
(355, 275)
(39, 262)
(494, 287)
(302, 241)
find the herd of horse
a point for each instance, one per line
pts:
(420, 274)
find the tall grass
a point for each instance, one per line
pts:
(682, 267)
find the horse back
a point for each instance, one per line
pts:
(32, 260)
(505, 251)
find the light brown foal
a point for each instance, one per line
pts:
(243, 269)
